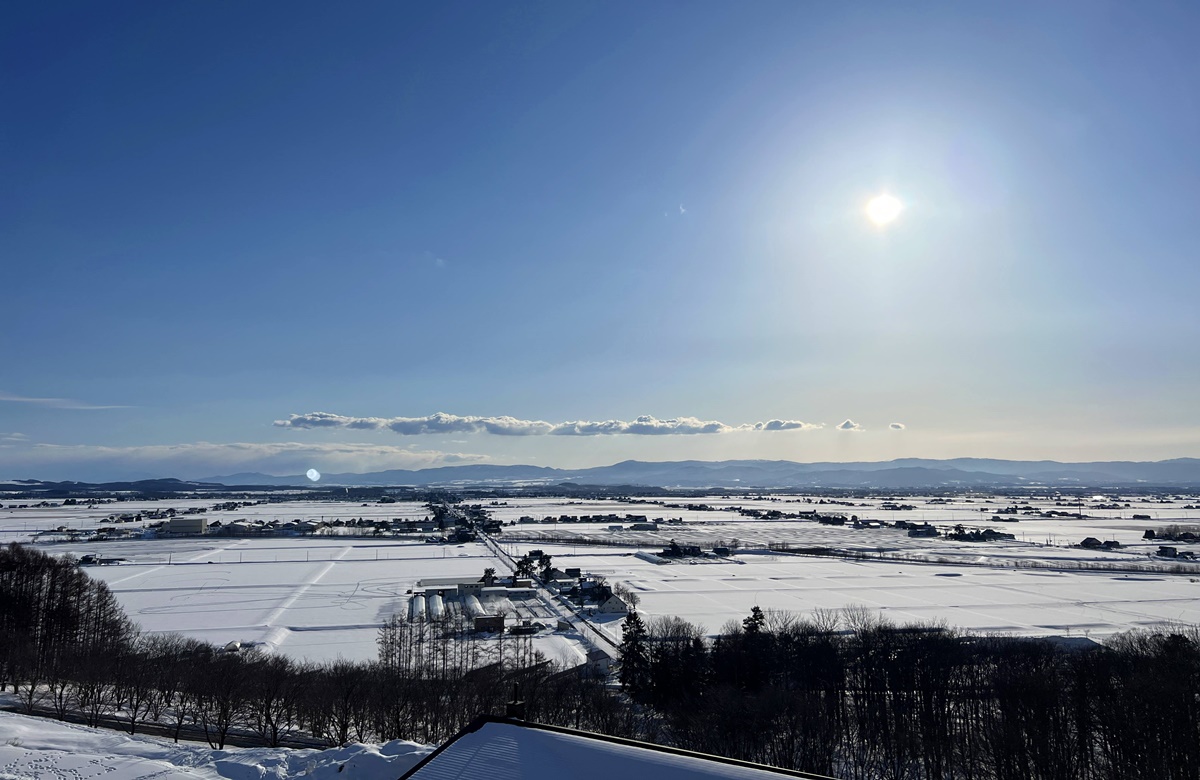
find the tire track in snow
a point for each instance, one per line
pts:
(193, 559)
(277, 613)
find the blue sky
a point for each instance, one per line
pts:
(217, 216)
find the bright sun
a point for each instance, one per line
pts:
(883, 209)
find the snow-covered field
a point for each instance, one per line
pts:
(44, 749)
(980, 598)
(312, 598)
(323, 597)
(1028, 585)
(19, 524)
(724, 523)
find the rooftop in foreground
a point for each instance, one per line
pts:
(493, 748)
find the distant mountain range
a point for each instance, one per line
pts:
(901, 473)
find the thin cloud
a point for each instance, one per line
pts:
(850, 425)
(14, 437)
(443, 423)
(201, 459)
(897, 426)
(56, 403)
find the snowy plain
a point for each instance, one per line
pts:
(312, 598)
(324, 597)
(1036, 584)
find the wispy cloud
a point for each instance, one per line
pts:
(850, 425)
(897, 426)
(443, 423)
(55, 403)
(201, 459)
(15, 438)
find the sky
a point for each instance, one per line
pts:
(274, 236)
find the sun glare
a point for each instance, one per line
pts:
(883, 209)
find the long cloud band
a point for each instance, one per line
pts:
(512, 426)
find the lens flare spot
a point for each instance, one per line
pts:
(883, 209)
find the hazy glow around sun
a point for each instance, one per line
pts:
(883, 209)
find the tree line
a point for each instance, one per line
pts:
(849, 695)
(67, 649)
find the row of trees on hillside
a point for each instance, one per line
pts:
(52, 618)
(68, 650)
(848, 695)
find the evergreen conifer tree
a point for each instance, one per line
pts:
(635, 657)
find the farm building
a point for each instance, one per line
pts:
(188, 525)
(490, 623)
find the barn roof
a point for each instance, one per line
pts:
(493, 748)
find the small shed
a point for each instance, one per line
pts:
(493, 624)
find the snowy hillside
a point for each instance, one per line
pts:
(43, 749)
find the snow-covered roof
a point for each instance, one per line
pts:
(502, 749)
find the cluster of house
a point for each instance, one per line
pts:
(918, 530)
(961, 534)
(1092, 543)
(773, 514)
(636, 522)
(1166, 551)
(675, 551)
(106, 533)
(199, 526)
(1173, 534)
(233, 506)
(156, 514)
(914, 529)
(1008, 514)
(587, 591)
